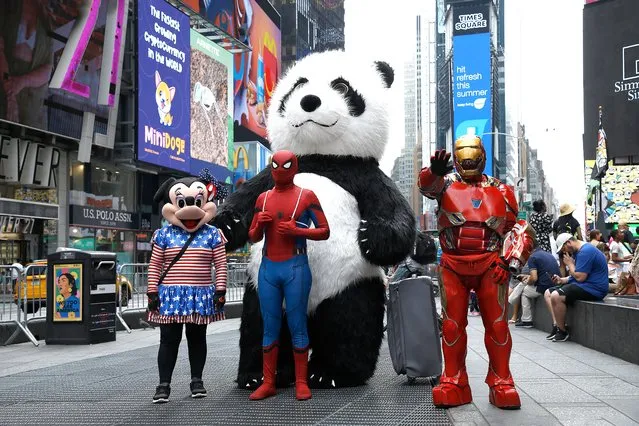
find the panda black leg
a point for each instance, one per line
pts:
(249, 372)
(346, 334)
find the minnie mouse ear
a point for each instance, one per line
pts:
(220, 190)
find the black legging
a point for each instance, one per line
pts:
(170, 337)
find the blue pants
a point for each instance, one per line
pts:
(290, 280)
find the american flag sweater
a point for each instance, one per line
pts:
(194, 267)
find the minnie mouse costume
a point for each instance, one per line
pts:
(179, 288)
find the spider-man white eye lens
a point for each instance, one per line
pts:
(287, 165)
(275, 166)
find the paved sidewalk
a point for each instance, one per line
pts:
(111, 384)
(559, 383)
(26, 357)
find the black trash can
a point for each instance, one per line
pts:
(81, 297)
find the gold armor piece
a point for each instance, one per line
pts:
(469, 148)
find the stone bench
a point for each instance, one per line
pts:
(610, 326)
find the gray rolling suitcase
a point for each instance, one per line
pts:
(413, 329)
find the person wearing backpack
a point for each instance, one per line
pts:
(566, 223)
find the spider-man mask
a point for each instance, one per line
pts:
(283, 168)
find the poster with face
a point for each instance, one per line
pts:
(67, 298)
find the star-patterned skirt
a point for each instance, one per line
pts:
(186, 304)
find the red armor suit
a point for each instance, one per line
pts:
(476, 214)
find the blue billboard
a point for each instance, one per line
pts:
(164, 83)
(472, 96)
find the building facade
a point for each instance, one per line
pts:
(69, 169)
(309, 26)
(419, 111)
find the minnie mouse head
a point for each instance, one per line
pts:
(189, 202)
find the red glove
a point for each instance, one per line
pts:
(501, 273)
(264, 217)
(287, 228)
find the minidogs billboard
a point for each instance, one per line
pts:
(164, 106)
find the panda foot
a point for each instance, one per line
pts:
(320, 380)
(249, 381)
(285, 377)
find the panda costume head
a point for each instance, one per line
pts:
(188, 202)
(332, 105)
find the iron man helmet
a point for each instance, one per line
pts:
(470, 157)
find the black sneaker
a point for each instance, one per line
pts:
(524, 324)
(554, 331)
(197, 389)
(561, 336)
(162, 393)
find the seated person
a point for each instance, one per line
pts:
(620, 256)
(587, 280)
(612, 267)
(542, 266)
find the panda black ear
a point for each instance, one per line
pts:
(387, 72)
(161, 193)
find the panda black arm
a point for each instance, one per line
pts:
(387, 228)
(236, 213)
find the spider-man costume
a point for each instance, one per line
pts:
(477, 218)
(283, 216)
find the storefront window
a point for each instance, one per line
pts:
(122, 243)
(103, 212)
(28, 235)
(102, 186)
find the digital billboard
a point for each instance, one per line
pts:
(256, 72)
(45, 39)
(471, 85)
(164, 83)
(620, 196)
(611, 76)
(211, 107)
(249, 159)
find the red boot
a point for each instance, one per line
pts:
(502, 392)
(452, 391)
(302, 392)
(269, 366)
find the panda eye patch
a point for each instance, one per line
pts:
(355, 101)
(287, 165)
(300, 81)
(340, 88)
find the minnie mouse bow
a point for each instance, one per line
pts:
(216, 190)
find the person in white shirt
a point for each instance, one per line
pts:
(621, 257)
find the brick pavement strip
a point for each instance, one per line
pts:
(112, 384)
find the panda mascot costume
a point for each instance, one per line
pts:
(331, 112)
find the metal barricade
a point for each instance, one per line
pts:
(132, 282)
(238, 277)
(19, 298)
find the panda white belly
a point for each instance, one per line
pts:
(336, 262)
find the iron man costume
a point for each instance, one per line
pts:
(476, 215)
